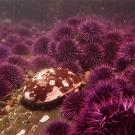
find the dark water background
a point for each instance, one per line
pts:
(51, 10)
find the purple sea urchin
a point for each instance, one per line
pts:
(73, 21)
(103, 72)
(5, 88)
(127, 51)
(67, 50)
(4, 52)
(23, 31)
(110, 50)
(129, 74)
(21, 49)
(41, 46)
(12, 73)
(91, 32)
(112, 117)
(80, 125)
(117, 114)
(114, 36)
(73, 104)
(104, 90)
(121, 64)
(74, 66)
(19, 61)
(92, 56)
(126, 88)
(42, 61)
(52, 49)
(56, 128)
(63, 32)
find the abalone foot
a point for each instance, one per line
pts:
(42, 106)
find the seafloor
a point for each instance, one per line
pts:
(94, 55)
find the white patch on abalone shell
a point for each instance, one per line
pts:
(39, 76)
(65, 83)
(35, 87)
(43, 75)
(44, 118)
(52, 82)
(54, 94)
(22, 132)
(69, 72)
(77, 85)
(28, 97)
(24, 88)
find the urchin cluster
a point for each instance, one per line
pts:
(66, 53)
(112, 117)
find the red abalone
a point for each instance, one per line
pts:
(49, 86)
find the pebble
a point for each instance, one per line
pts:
(8, 108)
(22, 132)
(44, 118)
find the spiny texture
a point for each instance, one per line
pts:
(129, 74)
(4, 52)
(126, 88)
(74, 66)
(110, 50)
(116, 117)
(13, 74)
(21, 49)
(103, 72)
(115, 36)
(56, 128)
(121, 64)
(90, 31)
(73, 21)
(41, 62)
(102, 91)
(73, 104)
(63, 32)
(41, 46)
(92, 56)
(19, 61)
(67, 50)
(127, 51)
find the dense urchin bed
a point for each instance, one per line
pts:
(77, 78)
